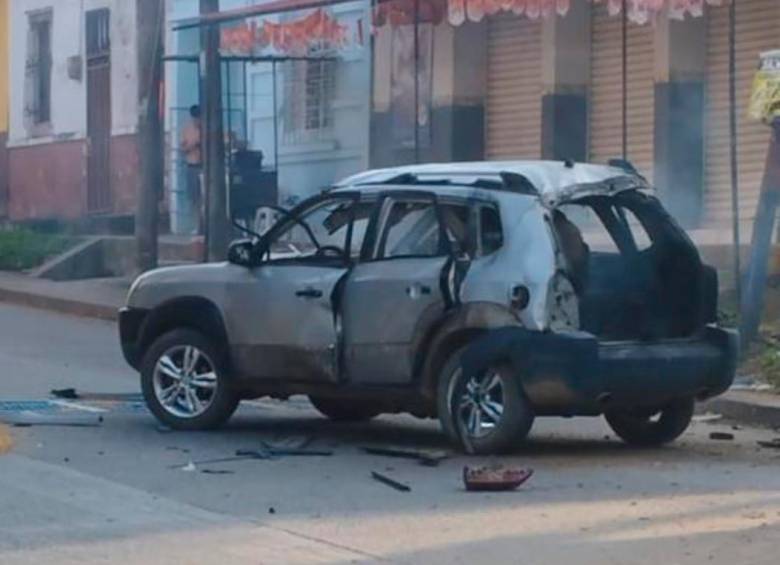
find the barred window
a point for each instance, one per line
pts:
(309, 94)
(39, 62)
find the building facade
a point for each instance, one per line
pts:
(4, 46)
(72, 107)
(512, 88)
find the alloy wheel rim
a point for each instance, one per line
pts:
(481, 406)
(185, 381)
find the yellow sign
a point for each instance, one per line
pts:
(765, 100)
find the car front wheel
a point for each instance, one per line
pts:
(652, 426)
(492, 412)
(185, 383)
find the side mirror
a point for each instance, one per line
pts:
(241, 252)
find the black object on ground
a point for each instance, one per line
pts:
(492, 479)
(427, 458)
(774, 444)
(66, 393)
(217, 472)
(392, 483)
(721, 436)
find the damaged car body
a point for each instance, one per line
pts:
(483, 294)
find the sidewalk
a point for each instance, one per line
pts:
(93, 298)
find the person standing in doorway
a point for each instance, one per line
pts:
(191, 146)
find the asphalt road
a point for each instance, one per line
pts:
(118, 494)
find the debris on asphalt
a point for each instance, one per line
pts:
(424, 457)
(721, 436)
(708, 417)
(65, 393)
(163, 429)
(217, 472)
(272, 510)
(28, 419)
(392, 483)
(189, 467)
(262, 454)
(773, 444)
(494, 479)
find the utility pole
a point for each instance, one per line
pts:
(150, 15)
(218, 227)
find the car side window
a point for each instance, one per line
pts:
(491, 232)
(322, 231)
(410, 229)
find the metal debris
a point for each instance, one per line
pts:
(427, 458)
(217, 472)
(189, 467)
(392, 483)
(494, 479)
(773, 444)
(721, 436)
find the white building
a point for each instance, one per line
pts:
(72, 108)
(322, 107)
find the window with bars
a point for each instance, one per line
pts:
(38, 68)
(98, 36)
(310, 90)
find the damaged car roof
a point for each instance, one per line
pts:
(553, 181)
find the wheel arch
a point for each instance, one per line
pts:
(458, 328)
(193, 312)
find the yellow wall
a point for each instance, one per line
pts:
(4, 46)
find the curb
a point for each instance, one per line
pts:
(58, 304)
(749, 408)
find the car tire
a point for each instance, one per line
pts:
(640, 429)
(340, 410)
(516, 416)
(188, 360)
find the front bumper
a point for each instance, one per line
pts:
(574, 373)
(131, 322)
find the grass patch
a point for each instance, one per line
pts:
(22, 249)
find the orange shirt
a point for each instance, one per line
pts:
(191, 144)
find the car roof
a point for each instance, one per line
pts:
(554, 182)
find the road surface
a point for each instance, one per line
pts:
(118, 494)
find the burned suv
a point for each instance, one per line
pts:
(483, 294)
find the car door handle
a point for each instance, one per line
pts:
(309, 293)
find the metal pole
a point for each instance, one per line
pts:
(276, 121)
(624, 55)
(416, 81)
(734, 148)
(150, 16)
(217, 218)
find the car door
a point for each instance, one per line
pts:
(286, 314)
(392, 297)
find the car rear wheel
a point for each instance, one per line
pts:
(184, 382)
(340, 410)
(652, 427)
(492, 412)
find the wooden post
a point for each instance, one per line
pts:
(150, 17)
(218, 224)
(761, 245)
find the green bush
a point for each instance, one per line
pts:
(22, 249)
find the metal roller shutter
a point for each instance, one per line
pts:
(606, 92)
(758, 29)
(514, 89)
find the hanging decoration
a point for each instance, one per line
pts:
(402, 12)
(314, 31)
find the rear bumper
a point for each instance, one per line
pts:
(130, 323)
(574, 373)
